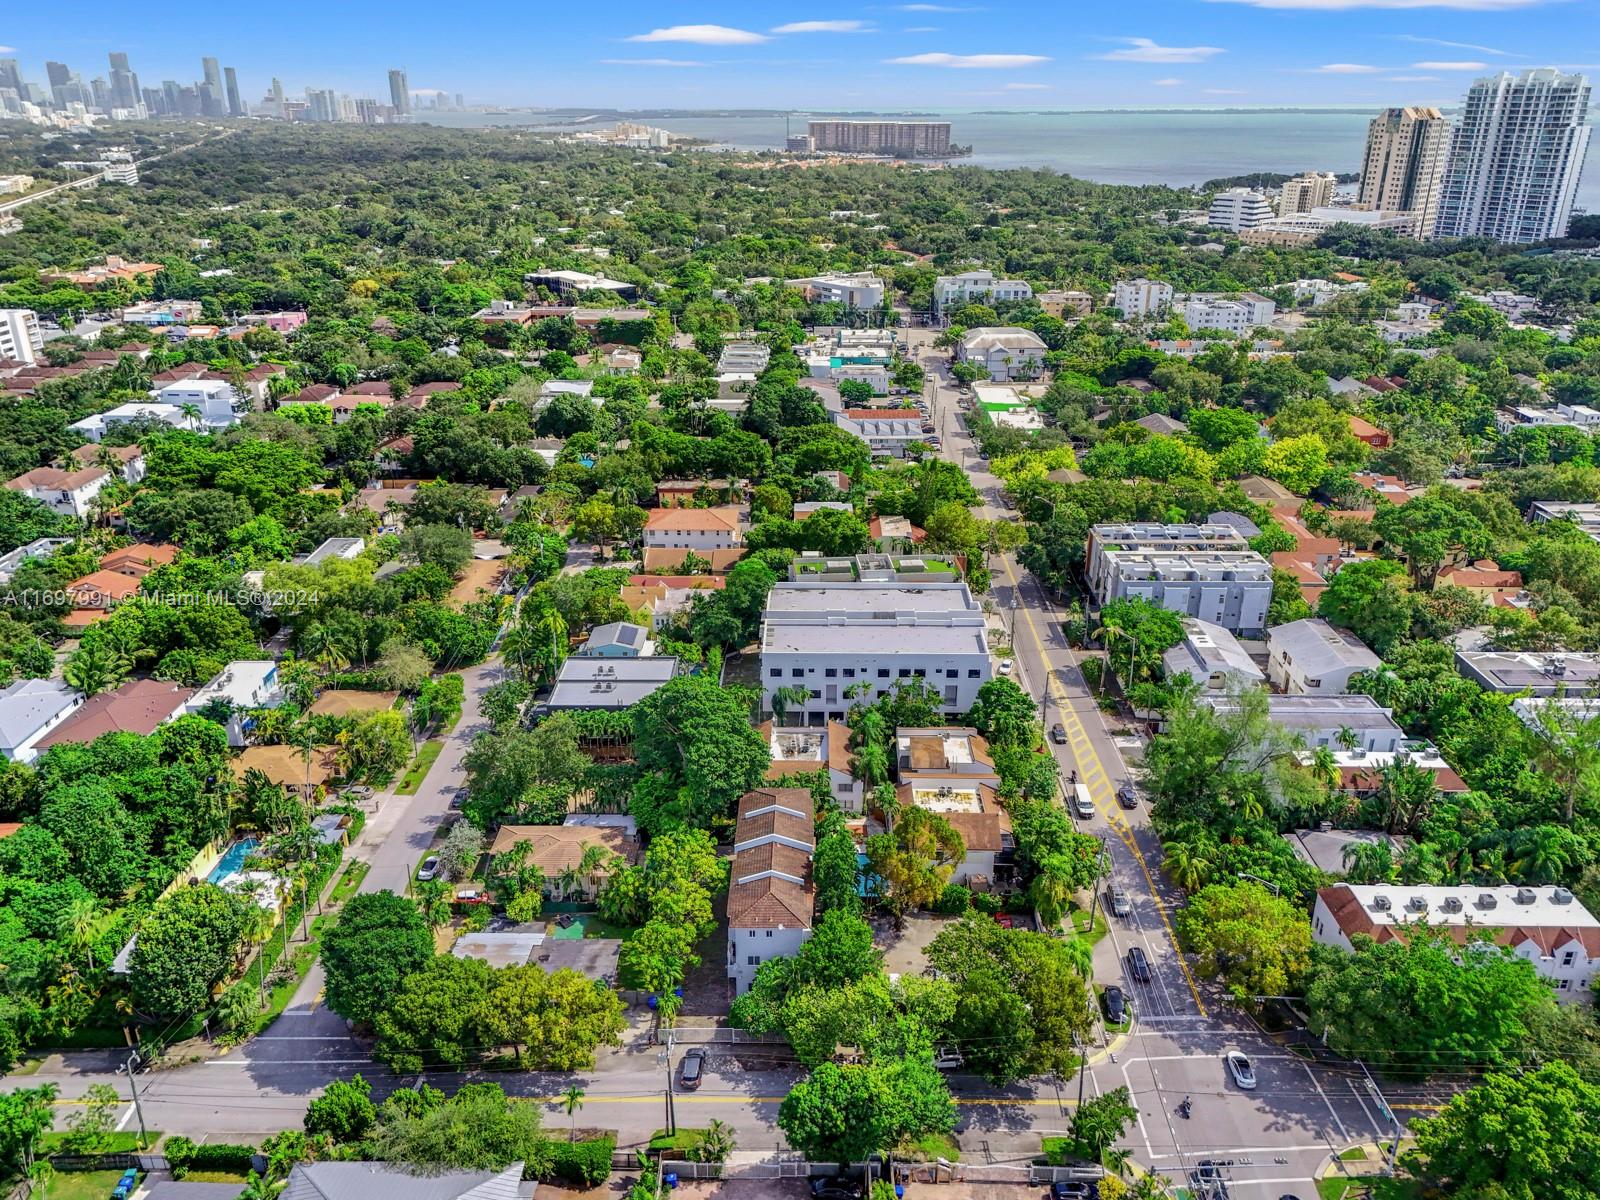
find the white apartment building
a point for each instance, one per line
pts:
(771, 899)
(245, 685)
(1545, 925)
(1330, 721)
(1403, 170)
(828, 636)
(1141, 297)
(1585, 516)
(1230, 588)
(681, 528)
(1239, 208)
(743, 358)
(975, 287)
(1004, 351)
(1314, 189)
(884, 430)
(216, 400)
(70, 493)
(21, 339)
(1516, 156)
(1571, 416)
(1513, 306)
(862, 290)
(1561, 674)
(1212, 657)
(30, 709)
(1149, 535)
(1228, 314)
(1314, 658)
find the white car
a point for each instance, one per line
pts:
(1244, 1075)
(947, 1059)
(429, 868)
(1007, 665)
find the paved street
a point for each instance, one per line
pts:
(1275, 1136)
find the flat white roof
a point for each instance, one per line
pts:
(1468, 905)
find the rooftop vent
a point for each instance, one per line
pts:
(1417, 904)
(1561, 896)
(1381, 903)
(1526, 896)
(1487, 900)
(1452, 904)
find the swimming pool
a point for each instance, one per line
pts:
(231, 861)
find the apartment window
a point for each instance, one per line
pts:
(816, 695)
(849, 672)
(1568, 957)
(750, 933)
(830, 673)
(769, 933)
(905, 672)
(919, 673)
(776, 673)
(883, 672)
(797, 673)
(753, 961)
(952, 673)
(973, 673)
(1564, 985)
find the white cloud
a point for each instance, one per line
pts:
(1341, 5)
(995, 62)
(823, 27)
(704, 35)
(1451, 66)
(1145, 50)
(650, 62)
(1028, 87)
(8, 49)
(1412, 79)
(1166, 82)
(1345, 69)
(1427, 41)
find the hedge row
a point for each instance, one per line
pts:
(582, 1164)
(184, 1156)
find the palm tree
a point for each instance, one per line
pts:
(82, 923)
(96, 667)
(1369, 862)
(717, 1144)
(191, 414)
(1115, 1160)
(1050, 891)
(1347, 738)
(783, 697)
(1567, 747)
(1079, 955)
(434, 897)
(572, 1098)
(1188, 867)
(871, 764)
(1544, 852)
(321, 645)
(1324, 768)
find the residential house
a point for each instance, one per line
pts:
(618, 639)
(1005, 352)
(1212, 657)
(138, 560)
(973, 810)
(683, 493)
(771, 898)
(138, 706)
(29, 710)
(1162, 424)
(1537, 674)
(103, 589)
(666, 559)
(333, 548)
(931, 755)
(559, 852)
(1364, 430)
(1314, 658)
(1330, 721)
(884, 430)
(1546, 926)
(126, 461)
(1584, 515)
(662, 597)
(289, 767)
(385, 1181)
(802, 749)
(70, 493)
(1066, 305)
(243, 685)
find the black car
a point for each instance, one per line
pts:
(1127, 797)
(834, 1189)
(1058, 734)
(1116, 1006)
(1072, 1189)
(692, 1069)
(1138, 965)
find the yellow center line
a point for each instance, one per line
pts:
(1098, 781)
(691, 1098)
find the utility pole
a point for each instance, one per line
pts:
(133, 1087)
(666, 1058)
(1388, 1112)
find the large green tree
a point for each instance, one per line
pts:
(185, 947)
(378, 941)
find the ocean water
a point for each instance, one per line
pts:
(1139, 147)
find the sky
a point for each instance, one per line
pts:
(828, 55)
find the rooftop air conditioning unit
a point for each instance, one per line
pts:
(1487, 900)
(1561, 896)
(1452, 904)
(1526, 896)
(1381, 903)
(1417, 904)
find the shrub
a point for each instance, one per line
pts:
(184, 1156)
(582, 1164)
(953, 901)
(987, 904)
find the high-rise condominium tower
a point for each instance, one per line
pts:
(1407, 149)
(231, 80)
(1515, 157)
(399, 92)
(1301, 194)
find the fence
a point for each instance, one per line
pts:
(115, 1161)
(690, 1170)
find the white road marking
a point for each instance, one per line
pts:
(1316, 1083)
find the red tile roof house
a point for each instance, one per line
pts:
(138, 706)
(770, 893)
(70, 493)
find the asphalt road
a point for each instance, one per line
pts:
(1275, 1136)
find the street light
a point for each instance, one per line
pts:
(1276, 891)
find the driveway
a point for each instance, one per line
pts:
(906, 952)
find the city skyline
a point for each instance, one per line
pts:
(1163, 53)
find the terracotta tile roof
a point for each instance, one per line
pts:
(557, 848)
(372, 387)
(796, 798)
(883, 414)
(1478, 577)
(694, 520)
(710, 583)
(317, 393)
(758, 896)
(100, 587)
(55, 479)
(87, 454)
(670, 558)
(981, 831)
(139, 706)
(1365, 779)
(139, 555)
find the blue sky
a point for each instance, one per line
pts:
(837, 55)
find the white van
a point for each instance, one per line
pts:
(1082, 802)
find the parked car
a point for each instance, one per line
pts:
(1071, 1189)
(1244, 1075)
(1127, 797)
(834, 1189)
(429, 868)
(460, 797)
(1138, 965)
(1116, 1004)
(360, 792)
(1007, 665)
(692, 1070)
(1121, 906)
(126, 1185)
(947, 1058)
(1058, 734)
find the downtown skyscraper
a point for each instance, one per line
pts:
(1515, 157)
(399, 92)
(1403, 172)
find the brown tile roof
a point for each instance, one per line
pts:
(1367, 779)
(100, 587)
(721, 519)
(88, 453)
(316, 393)
(372, 387)
(130, 559)
(285, 766)
(1478, 577)
(769, 902)
(138, 706)
(557, 848)
(55, 479)
(777, 824)
(981, 831)
(712, 583)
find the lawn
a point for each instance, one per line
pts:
(676, 1145)
(348, 882)
(418, 770)
(1080, 922)
(1354, 1154)
(930, 1146)
(79, 1185)
(1338, 1187)
(123, 1141)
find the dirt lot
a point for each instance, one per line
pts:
(904, 953)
